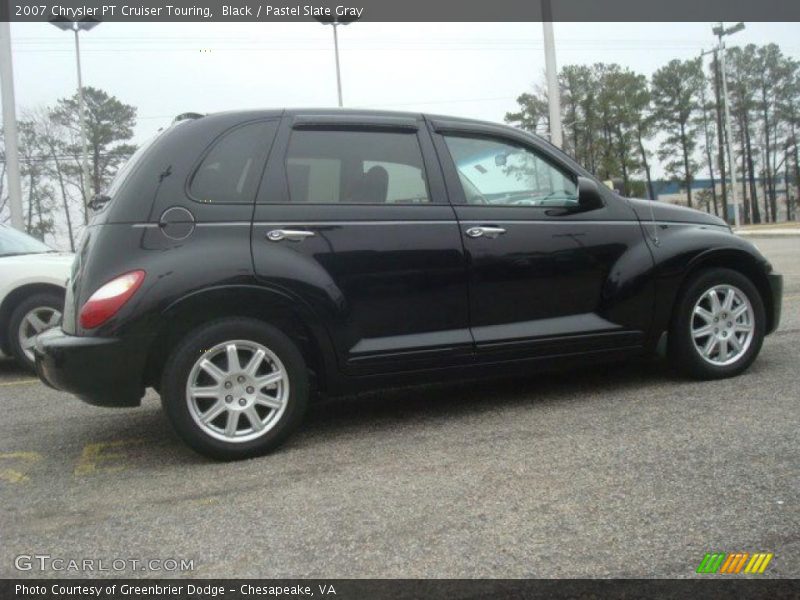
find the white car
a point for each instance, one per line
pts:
(32, 280)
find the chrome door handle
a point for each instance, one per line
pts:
(294, 235)
(489, 232)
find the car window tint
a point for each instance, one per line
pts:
(502, 174)
(230, 171)
(355, 167)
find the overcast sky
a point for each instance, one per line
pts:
(467, 69)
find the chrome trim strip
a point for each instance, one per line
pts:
(215, 224)
(330, 223)
(427, 222)
(546, 221)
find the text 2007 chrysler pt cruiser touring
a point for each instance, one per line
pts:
(241, 258)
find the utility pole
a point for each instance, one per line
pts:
(709, 152)
(720, 132)
(553, 93)
(10, 127)
(721, 31)
(729, 137)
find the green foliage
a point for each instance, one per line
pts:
(38, 194)
(50, 160)
(109, 127)
(612, 117)
(533, 113)
(605, 112)
(675, 89)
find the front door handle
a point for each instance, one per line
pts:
(484, 231)
(294, 235)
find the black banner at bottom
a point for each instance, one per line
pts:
(363, 589)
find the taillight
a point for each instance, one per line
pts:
(106, 301)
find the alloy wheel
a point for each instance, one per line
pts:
(237, 391)
(722, 325)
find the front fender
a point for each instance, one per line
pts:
(684, 249)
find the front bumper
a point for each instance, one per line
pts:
(100, 371)
(776, 289)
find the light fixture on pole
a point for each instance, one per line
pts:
(720, 31)
(336, 21)
(76, 27)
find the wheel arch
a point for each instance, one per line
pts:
(14, 298)
(737, 260)
(290, 315)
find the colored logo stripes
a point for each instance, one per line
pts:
(722, 562)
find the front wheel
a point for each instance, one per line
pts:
(718, 325)
(235, 388)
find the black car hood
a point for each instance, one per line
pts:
(662, 211)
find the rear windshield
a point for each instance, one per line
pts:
(128, 167)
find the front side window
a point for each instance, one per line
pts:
(355, 167)
(502, 174)
(230, 171)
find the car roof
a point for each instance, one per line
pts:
(345, 112)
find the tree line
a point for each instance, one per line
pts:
(613, 116)
(50, 152)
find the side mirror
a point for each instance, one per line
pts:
(589, 197)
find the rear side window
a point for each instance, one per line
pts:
(230, 171)
(355, 167)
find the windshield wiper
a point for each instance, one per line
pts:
(98, 201)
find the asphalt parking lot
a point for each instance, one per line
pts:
(619, 471)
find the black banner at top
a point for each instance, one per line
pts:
(400, 10)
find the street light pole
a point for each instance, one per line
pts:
(76, 27)
(87, 182)
(338, 71)
(336, 21)
(720, 31)
(10, 128)
(553, 93)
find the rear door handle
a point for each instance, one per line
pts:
(485, 231)
(294, 235)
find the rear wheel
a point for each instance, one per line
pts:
(718, 326)
(235, 388)
(31, 317)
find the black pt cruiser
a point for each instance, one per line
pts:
(242, 258)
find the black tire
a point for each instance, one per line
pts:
(178, 368)
(48, 300)
(681, 348)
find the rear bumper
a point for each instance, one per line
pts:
(776, 288)
(100, 371)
